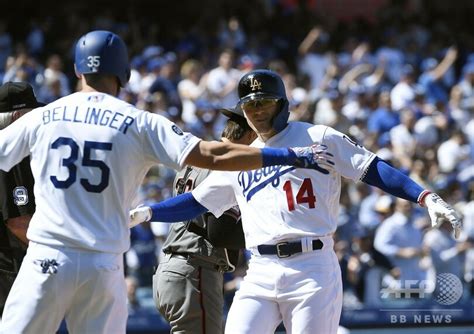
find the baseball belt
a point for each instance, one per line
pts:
(287, 249)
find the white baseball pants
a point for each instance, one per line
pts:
(88, 290)
(304, 291)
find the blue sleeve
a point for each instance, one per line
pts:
(381, 175)
(177, 209)
(277, 156)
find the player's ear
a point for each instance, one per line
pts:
(78, 75)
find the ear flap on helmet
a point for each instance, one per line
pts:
(281, 119)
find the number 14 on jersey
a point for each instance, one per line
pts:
(305, 194)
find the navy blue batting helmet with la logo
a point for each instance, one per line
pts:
(265, 84)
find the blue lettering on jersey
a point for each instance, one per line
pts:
(126, 123)
(56, 114)
(115, 119)
(104, 120)
(93, 116)
(46, 117)
(251, 181)
(65, 116)
(76, 118)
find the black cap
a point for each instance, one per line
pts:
(17, 95)
(235, 112)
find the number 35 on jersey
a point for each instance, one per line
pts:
(72, 164)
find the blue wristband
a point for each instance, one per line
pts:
(277, 156)
(177, 209)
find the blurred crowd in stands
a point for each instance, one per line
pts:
(400, 83)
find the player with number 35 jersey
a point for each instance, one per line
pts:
(89, 151)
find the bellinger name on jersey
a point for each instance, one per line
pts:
(95, 116)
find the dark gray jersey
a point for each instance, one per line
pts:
(186, 239)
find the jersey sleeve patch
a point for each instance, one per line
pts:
(177, 130)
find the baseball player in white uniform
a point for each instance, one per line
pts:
(290, 214)
(89, 152)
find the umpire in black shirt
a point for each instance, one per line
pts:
(17, 202)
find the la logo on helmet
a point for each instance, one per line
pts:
(255, 84)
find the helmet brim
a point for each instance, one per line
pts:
(258, 96)
(232, 112)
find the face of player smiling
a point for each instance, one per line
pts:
(260, 118)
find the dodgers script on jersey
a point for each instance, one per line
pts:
(79, 183)
(287, 202)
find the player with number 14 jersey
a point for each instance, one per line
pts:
(284, 202)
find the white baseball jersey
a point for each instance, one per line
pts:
(89, 153)
(283, 202)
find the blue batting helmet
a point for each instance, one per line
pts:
(265, 84)
(104, 52)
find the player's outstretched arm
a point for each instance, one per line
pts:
(235, 157)
(391, 180)
(176, 209)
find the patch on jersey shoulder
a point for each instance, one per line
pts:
(177, 130)
(20, 196)
(96, 98)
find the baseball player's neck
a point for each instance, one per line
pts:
(104, 86)
(264, 136)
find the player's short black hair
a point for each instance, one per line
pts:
(94, 79)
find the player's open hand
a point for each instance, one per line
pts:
(314, 157)
(440, 211)
(139, 215)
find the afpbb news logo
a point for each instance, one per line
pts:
(447, 290)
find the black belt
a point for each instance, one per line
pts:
(286, 249)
